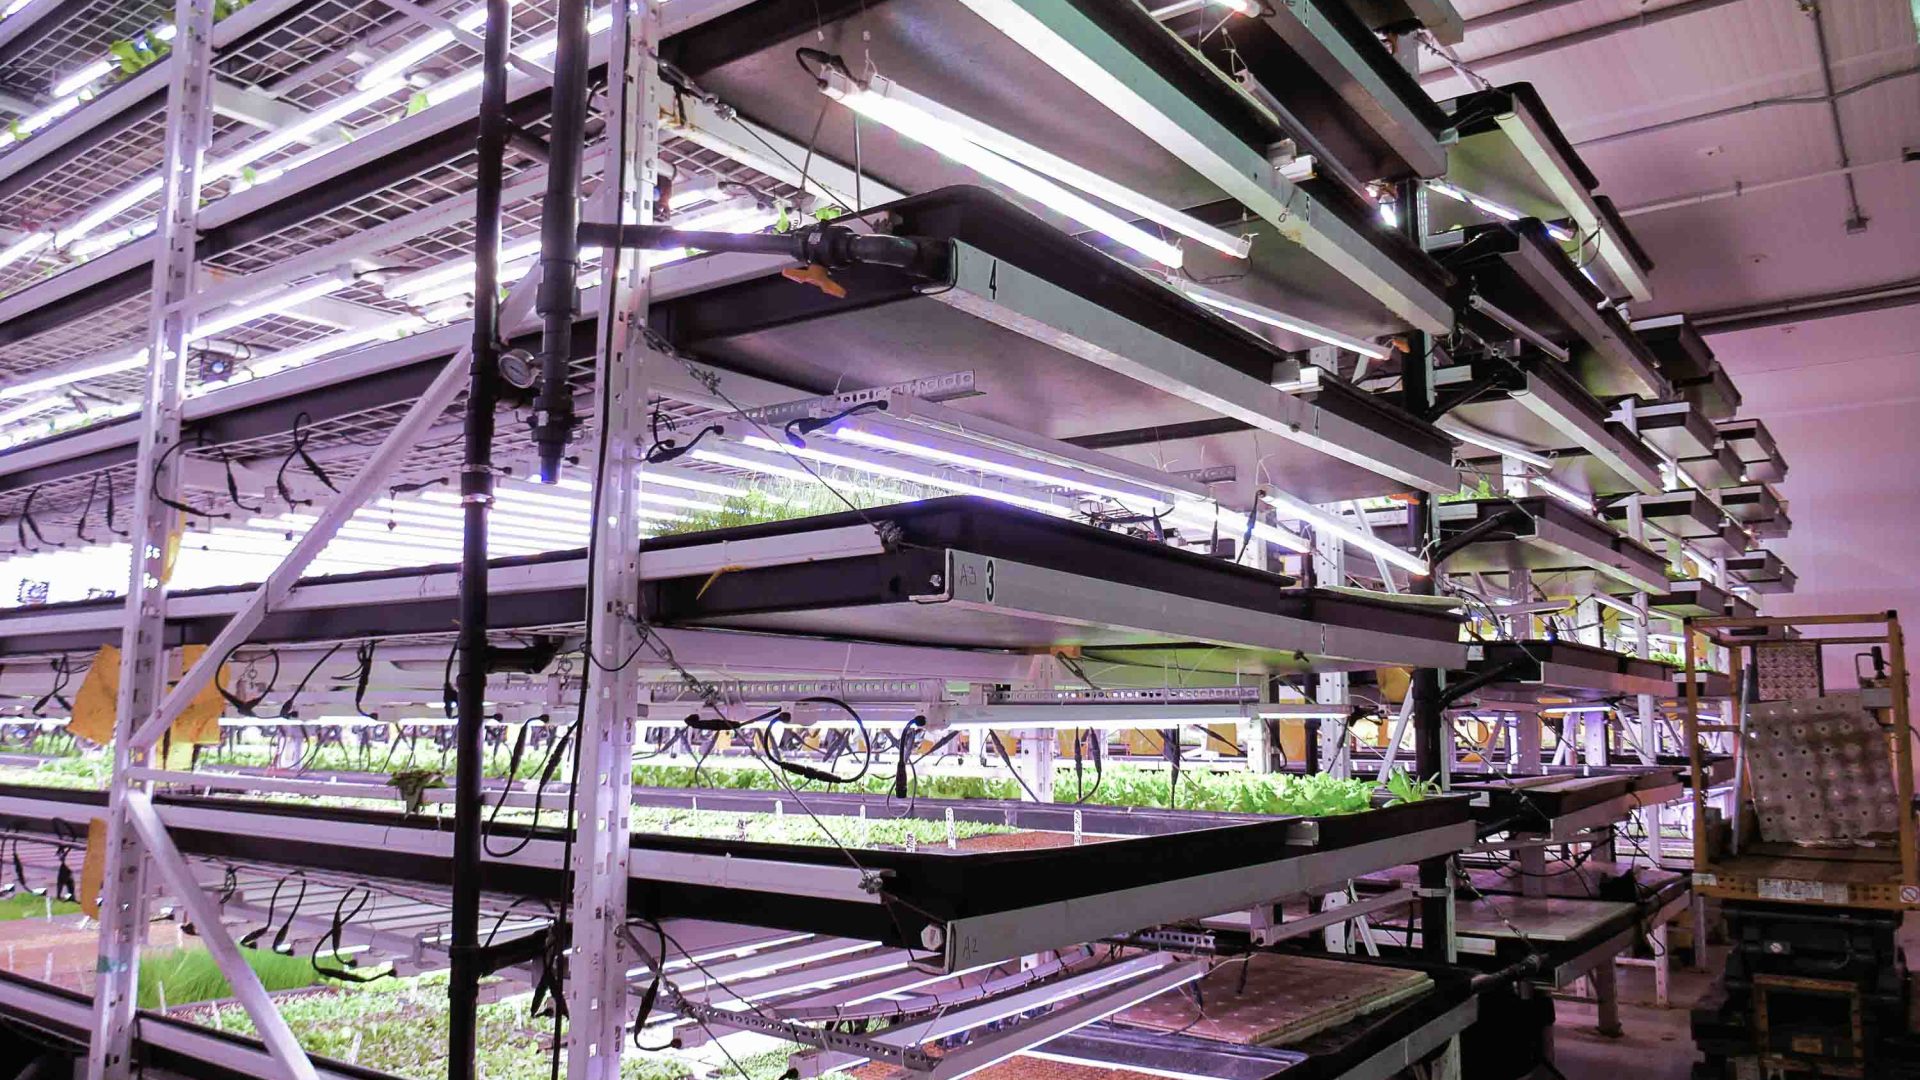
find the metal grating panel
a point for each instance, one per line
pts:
(85, 33)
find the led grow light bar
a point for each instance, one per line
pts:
(1467, 433)
(1620, 606)
(909, 476)
(1562, 492)
(1184, 7)
(1247, 309)
(1327, 523)
(396, 63)
(1486, 205)
(862, 437)
(1048, 164)
(954, 142)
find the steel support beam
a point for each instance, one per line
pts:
(123, 911)
(368, 483)
(596, 987)
(287, 1054)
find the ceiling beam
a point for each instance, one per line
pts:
(1828, 305)
(1578, 37)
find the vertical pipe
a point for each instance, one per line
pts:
(559, 300)
(476, 494)
(1856, 220)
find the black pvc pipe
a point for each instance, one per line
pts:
(831, 246)
(476, 493)
(559, 298)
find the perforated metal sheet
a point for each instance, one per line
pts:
(1821, 772)
(1788, 671)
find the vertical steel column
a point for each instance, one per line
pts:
(1432, 742)
(1335, 749)
(476, 495)
(123, 912)
(596, 986)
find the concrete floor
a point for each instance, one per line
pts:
(1655, 1043)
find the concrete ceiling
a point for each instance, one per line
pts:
(1677, 105)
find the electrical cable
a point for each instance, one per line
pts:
(301, 434)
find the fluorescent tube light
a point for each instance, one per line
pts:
(278, 304)
(1183, 7)
(396, 63)
(1562, 492)
(83, 78)
(93, 245)
(114, 366)
(1481, 202)
(863, 437)
(950, 141)
(30, 408)
(107, 211)
(1247, 309)
(299, 355)
(457, 269)
(1618, 605)
(1233, 524)
(34, 122)
(1333, 526)
(903, 475)
(1047, 164)
(23, 247)
(1467, 433)
(306, 126)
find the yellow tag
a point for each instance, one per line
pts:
(93, 872)
(94, 705)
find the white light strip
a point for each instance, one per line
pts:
(84, 78)
(115, 366)
(952, 142)
(1563, 493)
(456, 270)
(280, 303)
(1247, 309)
(862, 437)
(313, 122)
(23, 247)
(108, 210)
(1620, 606)
(396, 63)
(299, 355)
(1047, 164)
(30, 408)
(1184, 7)
(1504, 213)
(904, 475)
(1319, 519)
(1467, 433)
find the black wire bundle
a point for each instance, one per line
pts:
(555, 754)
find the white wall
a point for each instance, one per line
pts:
(1842, 397)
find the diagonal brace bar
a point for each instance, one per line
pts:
(399, 442)
(286, 1051)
